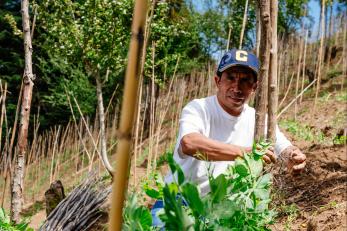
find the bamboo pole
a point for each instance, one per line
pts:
(304, 65)
(258, 27)
(298, 76)
(243, 24)
(272, 87)
(229, 36)
(120, 183)
(320, 55)
(296, 98)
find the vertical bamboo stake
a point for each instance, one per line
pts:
(258, 28)
(243, 24)
(17, 183)
(329, 34)
(320, 55)
(152, 116)
(119, 186)
(298, 77)
(304, 65)
(344, 53)
(229, 35)
(261, 104)
(3, 108)
(273, 93)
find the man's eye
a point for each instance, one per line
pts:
(231, 78)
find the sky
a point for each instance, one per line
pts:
(314, 12)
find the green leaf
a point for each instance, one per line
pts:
(261, 193)
(262, 206)
(173, 188)
(218, 187)
(172, 164)
(152, 193)
(256, 167)
(264, 181)
(191, 194)
(144, 217)
(241, 168)
(180, 174)
(248, 202)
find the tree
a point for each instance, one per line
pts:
(262, 92)
(17, 183)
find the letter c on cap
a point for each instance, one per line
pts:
(241, 56)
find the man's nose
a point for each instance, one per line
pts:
(236, 85)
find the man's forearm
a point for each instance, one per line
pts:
(203, 148)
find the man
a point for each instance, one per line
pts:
(214, 131)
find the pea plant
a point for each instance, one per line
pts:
(238, 200)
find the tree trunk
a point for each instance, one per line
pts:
(17, 183)
(261, 95)
(103, 144)
(273, 91)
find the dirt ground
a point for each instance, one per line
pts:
(316, 200)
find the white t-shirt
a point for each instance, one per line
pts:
(207, 117)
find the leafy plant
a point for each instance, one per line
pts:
(7, 225)
(238, 200)
(136, 217)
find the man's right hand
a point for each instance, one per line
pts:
(270, 156)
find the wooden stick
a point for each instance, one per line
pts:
(304, 65)
(119, 186)
(284, 109)
(320, 55)
(243, 24)
(298, 76)
(272, 87)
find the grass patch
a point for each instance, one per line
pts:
(304, 132)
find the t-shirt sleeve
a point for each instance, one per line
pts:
(281, 142)
(191, 121)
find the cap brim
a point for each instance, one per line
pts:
(241, 65)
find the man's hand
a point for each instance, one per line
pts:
(296, 160)
(270, 156)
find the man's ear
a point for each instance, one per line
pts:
(217, 79)
(255, 85)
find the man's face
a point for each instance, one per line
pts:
(234, 88)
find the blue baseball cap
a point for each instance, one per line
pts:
(237, 57)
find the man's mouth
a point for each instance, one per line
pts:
(237, 99)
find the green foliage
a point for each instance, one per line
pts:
(301, 131)
(11, 53)
(238, 200)
(163, 159)
(7, 225)
(342, 97)
(136, 217)
(289, 15)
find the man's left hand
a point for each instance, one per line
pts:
(296, 160)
